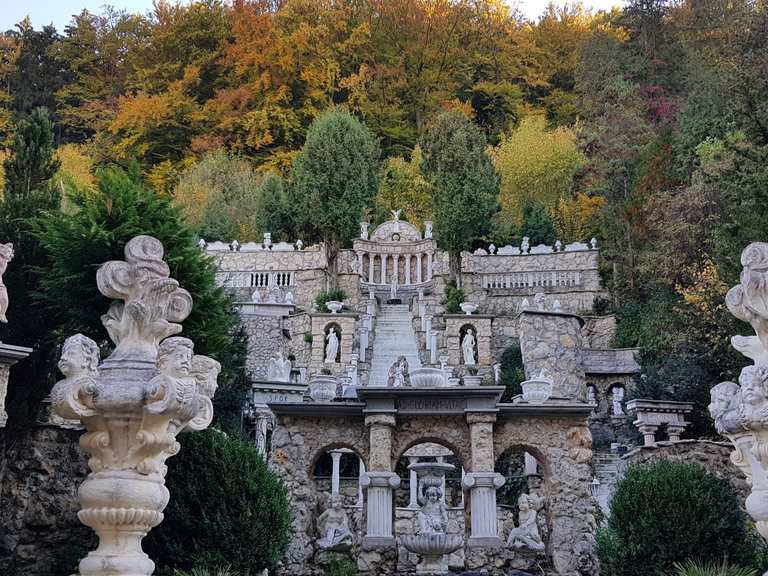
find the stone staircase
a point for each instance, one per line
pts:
(394, 336)
(608, 471)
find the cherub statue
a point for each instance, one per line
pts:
(724, 407)
(398, 375)
(754, 395)
(6, 255)
(174, 388)
(333, 525)
(279, 369)
(527, 535)
(205, 371)
(72, 397)
(432, 516)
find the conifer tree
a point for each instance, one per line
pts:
(32, 161)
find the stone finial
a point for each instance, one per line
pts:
(492, 249)
(267, 240)
(364, 230)
(427, 229)
(525, 246)
(299, 244)
(593, 243)
(234, 246)
(558, 246)
(6, 255)
(202, 244)
(134, 404)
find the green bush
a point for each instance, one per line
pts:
(667, 513)
(225, 571)
(342, 567)
(323, 297)
(512, 372)
(454, 296)
(226, 509)
(691, 568)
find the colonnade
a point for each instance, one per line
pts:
(403, 269)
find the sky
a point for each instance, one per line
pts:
(59, 12)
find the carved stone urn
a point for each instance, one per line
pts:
(133, 404)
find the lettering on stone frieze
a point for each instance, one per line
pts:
(276, 398)
(442, 405)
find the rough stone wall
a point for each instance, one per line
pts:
(40, 534)
(449, 431)
(569, 507)
(607, 428)
(553, 342)
(298, 325)
(296, 446)
(598, 331)
(265, 339)
(713, 456)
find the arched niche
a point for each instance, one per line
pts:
(336, 469)
(463, 331)
(428, 451)
(326, 331)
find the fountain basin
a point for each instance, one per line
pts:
(432, 548)
(427, 377)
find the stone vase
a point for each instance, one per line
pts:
(322, 388)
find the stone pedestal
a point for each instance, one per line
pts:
(482, 487)
(9, 355)
(552, 341)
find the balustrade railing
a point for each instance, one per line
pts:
(260, 279)
(549, 279)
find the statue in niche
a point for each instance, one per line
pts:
(398, 376)
(618, 398)
(333, 525)
(279, 369)
(331, 346)
(73, 396)
(725, 399)
(526, 534)
(754, 395)
(591, 395)
(433, 515)
(468, 347)
(6, 255)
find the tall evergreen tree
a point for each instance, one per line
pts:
(32, 162)
(335, 177)
(466, 185)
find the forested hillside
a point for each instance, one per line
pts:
(645, 127)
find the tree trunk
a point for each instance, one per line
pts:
(454, 268)
(331, 255)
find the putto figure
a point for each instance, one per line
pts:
(6, 255)
(433, 515)
(527, 534)
(72, 397)
(398, 375)
(724, 407)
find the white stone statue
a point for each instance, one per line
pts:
(526, 534)
(468, 347)
(591, 395)
(299, 244)
(72, 397)
(497, 373)
(393, 290)
(427, 229)
(6, 255)
(525, 246)
(617, 400)
(235, 246)
(256, 296)
(333, 526)
(556, 306)
(273, 295)
(289, 297)
(558, 246)
(725, 408)
(540, 301)
(396, 214)
(593, 243)
(398, 375)
(331, 346)
(143, 394)
(525, 305)
(267, 239)
(432, 517)
(202, 244)
(279, 369)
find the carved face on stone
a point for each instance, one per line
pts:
(524, 503)
(721, 397)
(336, 502)
(174, 357)
(80, 355)
(753, 380)
(433, 494)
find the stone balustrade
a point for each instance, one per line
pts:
(545, 279)
(255, 279)
(652, 414)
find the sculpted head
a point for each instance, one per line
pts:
(206, 371)
(79, 356)
(433, 494)
(524, 502)
(754, 384)
(721, 396)
(174, 356)
(336, 502)
(6, 252)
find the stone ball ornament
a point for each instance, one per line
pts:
(133, 404)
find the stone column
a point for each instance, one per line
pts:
(395, 268)
(430, 255)
(432, 340)
(531, 466)
(407, 268)
(418, 268)
(371, 262)
(133, 405)
(335, 479)
(482, 482)
(441, 460)
(649, 434)
(360, 264)
(413, 501)
(363, 342)
(360, 474)
(379, 481)
(674, 432)
(9, 355)
(383, 258)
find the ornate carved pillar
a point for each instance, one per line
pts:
(649, 434)
(133, 405)
(674, 432)
(482, 482)
(335, 471)
(379, 481)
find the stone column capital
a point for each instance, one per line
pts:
(483, 480)
(481, 417)
(380, 420)
(379, 479)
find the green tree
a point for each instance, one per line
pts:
(335, 177)
(275, 213)
(103, 222)
(653, 501)
(244, 524)
(32, 161)
(537, 224)
(403, 187)
(465, 183)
